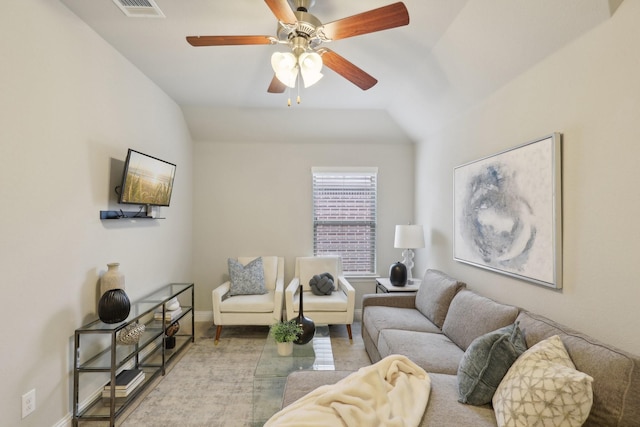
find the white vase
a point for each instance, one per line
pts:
(112, 278)
(285, 348)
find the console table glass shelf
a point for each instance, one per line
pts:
(99, 358)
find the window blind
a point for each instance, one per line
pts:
(344, 217)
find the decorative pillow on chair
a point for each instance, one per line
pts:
(486, 361)
(322, 284)
(543, 388)
(246, 279)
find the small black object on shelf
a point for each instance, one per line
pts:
(114, 306)
(125, 215)
(307, 325)
(169, 343)
(398, 274)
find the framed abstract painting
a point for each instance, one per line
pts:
(508, 212)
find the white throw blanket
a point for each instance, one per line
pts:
(391, 392)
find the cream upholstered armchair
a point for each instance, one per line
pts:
(260, 309)
(334, 309)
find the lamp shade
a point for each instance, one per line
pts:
(286, 67)
(310, 66)
(409, 237)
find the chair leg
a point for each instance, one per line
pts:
(349, 331)
(218, 330)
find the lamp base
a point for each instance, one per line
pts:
(408, 262)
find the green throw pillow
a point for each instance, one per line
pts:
(485, 363)
(246, 279)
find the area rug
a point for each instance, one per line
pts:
(212, 385)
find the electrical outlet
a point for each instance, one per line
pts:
(28, 402)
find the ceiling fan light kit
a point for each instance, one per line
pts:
(304, 34)
(287, 65)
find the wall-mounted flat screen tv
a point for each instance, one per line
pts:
(146, 180)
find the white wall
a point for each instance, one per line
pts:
(255, 199)
(70, 106)
(589, 91)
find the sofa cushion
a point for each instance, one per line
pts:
(432, 352)
(616, 374)
(543, 388)
(485, 363)
(334, 302)
(471, 315)
(444, 410)
(378, 318)
(435, 294)
(249, 303)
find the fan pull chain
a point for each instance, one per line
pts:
(298, 88)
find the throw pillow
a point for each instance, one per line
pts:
(485, 363)
(322, 284)
(246, 279)
(543, 388)
(435, 294)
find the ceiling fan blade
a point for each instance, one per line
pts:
(229, 40)
(383, 18)
(346, 69)
(276, 86)
(282, 11)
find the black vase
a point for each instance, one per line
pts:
(398, 274)
(169, 343)
(308, 327)
(114, 306)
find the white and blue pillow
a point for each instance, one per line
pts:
(246, 279)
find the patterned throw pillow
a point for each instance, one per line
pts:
(246, 279)
(543, 388)
(486, 362)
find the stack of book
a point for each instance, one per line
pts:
(126, 382)
(169, 316)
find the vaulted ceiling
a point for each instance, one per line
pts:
(453, 54)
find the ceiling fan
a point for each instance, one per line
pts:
(305, 35)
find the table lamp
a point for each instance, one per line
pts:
(409, 237)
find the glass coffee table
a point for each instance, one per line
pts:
(272, 370)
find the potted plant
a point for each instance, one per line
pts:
(285, 333)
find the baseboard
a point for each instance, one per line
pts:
(203, 316)
(65, 422)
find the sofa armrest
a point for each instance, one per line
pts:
(390, 300)
(279, 290)
(342, 284)
(218, 295)
(289, 294)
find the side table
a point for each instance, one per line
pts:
(383, 285)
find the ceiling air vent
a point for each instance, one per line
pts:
(139, 8)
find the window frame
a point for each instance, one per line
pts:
(368, 205)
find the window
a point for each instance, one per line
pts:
(344, 216)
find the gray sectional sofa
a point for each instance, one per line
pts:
(435, 326)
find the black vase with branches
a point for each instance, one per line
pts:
(307, 325)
